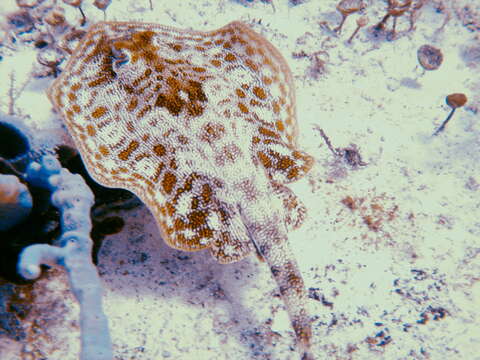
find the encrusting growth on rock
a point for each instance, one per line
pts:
(202, 127)
(73, 250)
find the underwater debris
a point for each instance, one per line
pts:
(454, 101)
(102, 5)
(263, 1)
(361, 22)
(469, 15)
(429, 57)
(28, 3)
(77, 4)
(72, 250)
(395, 9)
(20, 22)
(51, 59)
(350, 155)
(55, 17)
(43, 24)
(347, 8)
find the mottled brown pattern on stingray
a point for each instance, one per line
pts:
(201, 126)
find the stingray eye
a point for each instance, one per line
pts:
(120, 56)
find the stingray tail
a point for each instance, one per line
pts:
(269, 235)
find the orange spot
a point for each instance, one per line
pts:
(69, 114)
(158, 171)
(125, 154)
(251, 64)
(99, 112)
(207, 43)
(230, 57)
(227, 45)
(245, 87)
(103, 150)
(200, 48)
(284, 163)
(259, 92)
(276, 107)
(179, 225)
(238, 39)
(250, 50)
(58, 98)
(199, 69)
(159, 149)
(72, 96)
(170, 208)
(266, 161)
(195, 203)
(99, 81)
(240, 93)
(176, 47)
(173, 164)
(267, 132)
(255, 140)
(132, 105)
(144, 111)
(243, 108)
(91, 130)
(293, 173)
(183, 139)
(218, 42)
(141, 156)
(266, 80)
(197, 218)
(175, 103)
(168, 182)
(216, 63)
(206, 193)
(76, 87)
(279, 125)
(76, 108)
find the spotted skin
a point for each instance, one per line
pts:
(201, 126)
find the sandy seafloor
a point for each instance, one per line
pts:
(394, 277)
